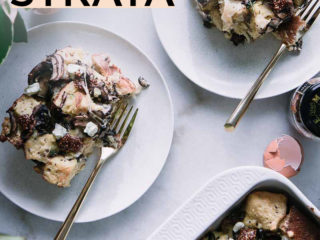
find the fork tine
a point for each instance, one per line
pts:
(124, 122)
(114, 112)
(306, 16)
(313, 18)
(129, 128)
(304, 8)
(119, 117)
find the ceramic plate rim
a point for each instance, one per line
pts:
(171, 127)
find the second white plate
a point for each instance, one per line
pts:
(123, 179)
(214, 63)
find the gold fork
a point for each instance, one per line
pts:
(106, 152)
(309, 17)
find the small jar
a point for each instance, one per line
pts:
(305, 109)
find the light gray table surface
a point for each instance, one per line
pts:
(201, 148)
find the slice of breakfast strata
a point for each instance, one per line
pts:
(65, 111)
(247, 20)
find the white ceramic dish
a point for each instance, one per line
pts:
(214, 63)
(211, 204)
(127, 176)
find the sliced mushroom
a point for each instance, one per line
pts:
(44, 122)
(13, 122)
(42, 69)
(143, 82)
(57, 67)
(51, 69)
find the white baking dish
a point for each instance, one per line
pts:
(213, 202)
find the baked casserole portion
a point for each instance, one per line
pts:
(266, 216)
(65, 111)
(247, 20)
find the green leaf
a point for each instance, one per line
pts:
(7, 6)
(6, 35)
(20, 31)
(10, 12)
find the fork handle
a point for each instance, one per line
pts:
(65, 228)
(243, 106)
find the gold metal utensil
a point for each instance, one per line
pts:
(123, 133)
(309, 13)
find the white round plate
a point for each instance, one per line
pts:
(123, 179)
(214, 63)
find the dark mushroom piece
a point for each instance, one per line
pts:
(41, 74)
(13, 122)
(209, 236)
(57, 67)
(42, 69)
(143, 82)
(237, 39)
(38, 168)
(52, 69)
(202, 3)
(43, 120)
(92, 84)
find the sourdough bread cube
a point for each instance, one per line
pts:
(262, 16)
(233, 12)
(60, 171)
(71, 100)
(25, 105)
(39, 147)
(265, 210)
